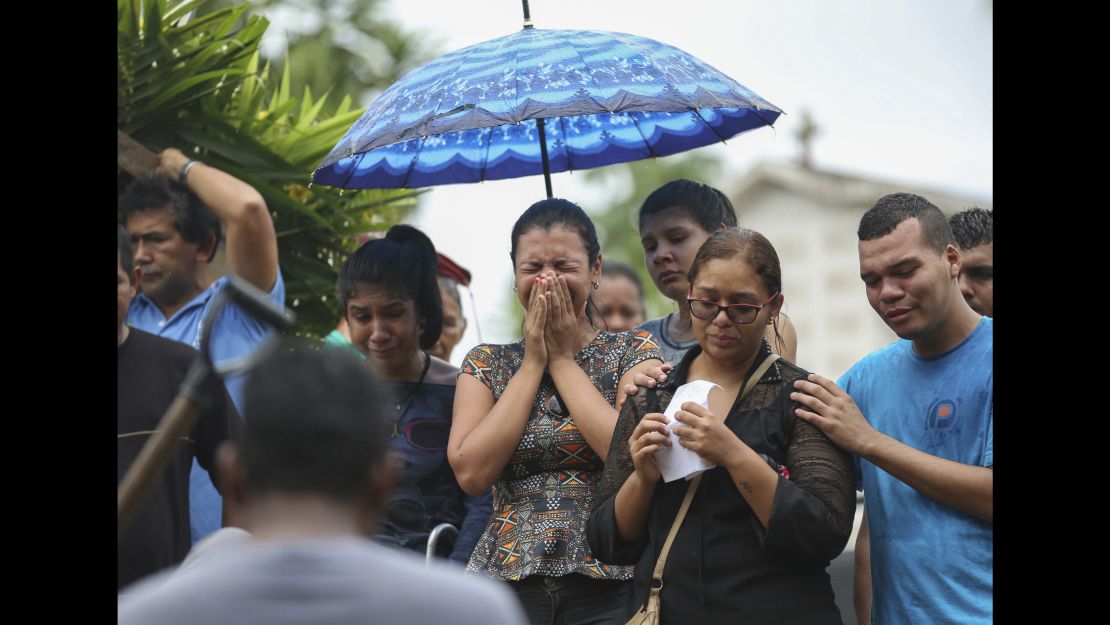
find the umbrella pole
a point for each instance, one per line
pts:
(543, 155)
(527, 16)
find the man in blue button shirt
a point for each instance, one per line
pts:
(919, 414)
(173, 217)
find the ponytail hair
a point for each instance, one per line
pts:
(403, 263)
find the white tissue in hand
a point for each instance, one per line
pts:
(676, 461)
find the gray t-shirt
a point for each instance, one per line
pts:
(672, 349)
(325, 581)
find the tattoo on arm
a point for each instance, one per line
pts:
(745, 486)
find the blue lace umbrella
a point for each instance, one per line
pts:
(540, 101)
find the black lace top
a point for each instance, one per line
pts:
(724, 565)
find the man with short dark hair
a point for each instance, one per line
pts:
(974, 232)
(309, 478)
(174, 217)
(149, 373)
(919, 414)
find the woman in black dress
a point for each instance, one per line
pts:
(777, 507)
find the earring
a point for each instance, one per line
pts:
(515, 290)
(597, 285)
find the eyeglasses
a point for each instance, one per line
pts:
(707, 310)
(425, 435)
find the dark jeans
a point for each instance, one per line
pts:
(573, 600)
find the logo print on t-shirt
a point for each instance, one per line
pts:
(942, 414)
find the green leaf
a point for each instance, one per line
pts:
(244, 153)
(248, 87)
(339, 124)
(281, 110)
(344, 106)
(308, 118)
(181, 10)
(205, 22)
(283, 86)
(219, 42)
(184, 85)
(152, 19)
(128, 22)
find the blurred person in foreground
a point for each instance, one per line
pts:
(974, 232)
(309, 478)
(149, 373)
(919, 414)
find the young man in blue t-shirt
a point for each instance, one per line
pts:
(919, 415)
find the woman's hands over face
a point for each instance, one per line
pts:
(535, 322)
(561, 329)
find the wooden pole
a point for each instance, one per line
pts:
(133, 157)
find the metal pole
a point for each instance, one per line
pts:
(527, 16)
(539, 121)
(543, 155)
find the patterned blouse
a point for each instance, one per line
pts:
(543, 497)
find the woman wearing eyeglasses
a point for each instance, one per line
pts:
(393, 308)
(762, 524)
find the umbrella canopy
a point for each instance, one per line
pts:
(601, 98)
